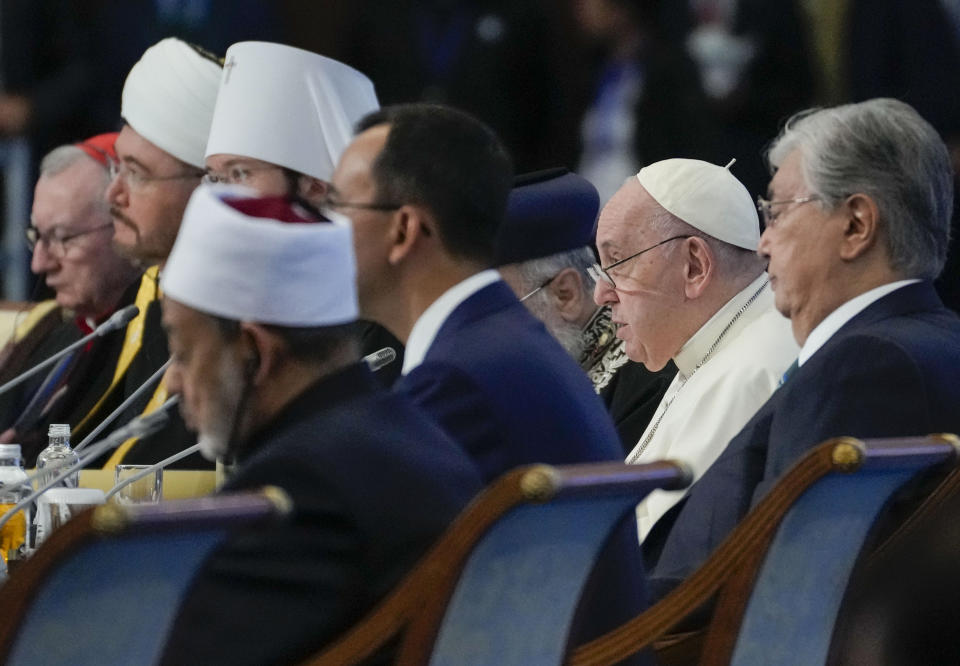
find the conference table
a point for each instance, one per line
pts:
(177, 483)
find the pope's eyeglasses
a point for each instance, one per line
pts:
(602, 273)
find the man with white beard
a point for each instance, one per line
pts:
(544, 253)
(259, 301)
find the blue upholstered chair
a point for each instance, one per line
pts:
(104, 588)
(502, 584)
(902, 607)
(782, 573)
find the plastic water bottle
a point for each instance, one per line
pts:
(14, 488)
(58, 456)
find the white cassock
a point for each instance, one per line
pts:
(702, 410)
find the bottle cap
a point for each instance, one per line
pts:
(9, 450)
(58, 430)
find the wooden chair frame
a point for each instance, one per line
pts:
(111, 521)
(413, 612)
(733, 567)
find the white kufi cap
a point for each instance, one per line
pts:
(705, 196)
(169, 96)
(248, 268)
(289, 107)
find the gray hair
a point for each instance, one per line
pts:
(884, 149)
(535, 272)
(732, 261)
(62, 158)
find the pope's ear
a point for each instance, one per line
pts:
(699, 264)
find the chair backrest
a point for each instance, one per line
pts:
(104, 588)
(901, 605)
(501, 585)
(782, 572)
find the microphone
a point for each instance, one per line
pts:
(139, 427)
(118, 319)
(380, 358)
(151, 469)
(374, 361)
(112, 416)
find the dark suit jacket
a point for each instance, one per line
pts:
(505, 389)
(373, 484)
(502, 387)
(890, 371)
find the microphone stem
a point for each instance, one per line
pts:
(104, 328)
(95, 451)
(111, 441)
(16, 381)
(153, 379)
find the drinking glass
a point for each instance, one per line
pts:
(147, 490)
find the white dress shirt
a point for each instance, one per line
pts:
(834, 321)
(428, 324)
(707, 407)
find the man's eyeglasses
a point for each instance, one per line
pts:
(602, 273)
(136, 179)
(373, 205)
(235, 175)
(765, 207)
(333, 201)
(543, 284)
(57, 243)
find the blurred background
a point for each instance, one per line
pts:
(600, 86)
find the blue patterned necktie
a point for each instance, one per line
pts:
(786, 375)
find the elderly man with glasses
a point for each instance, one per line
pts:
(69, 234)
(682, 278)
(544, 252)
(858, 224)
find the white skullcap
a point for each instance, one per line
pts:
(289, 107)
(168, 98)
(232, 265)
(705, 196)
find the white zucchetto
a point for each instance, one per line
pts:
(705, 196)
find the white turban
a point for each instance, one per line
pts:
(287, 106)
(249, 268)
(705, 196)
(169, 96)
